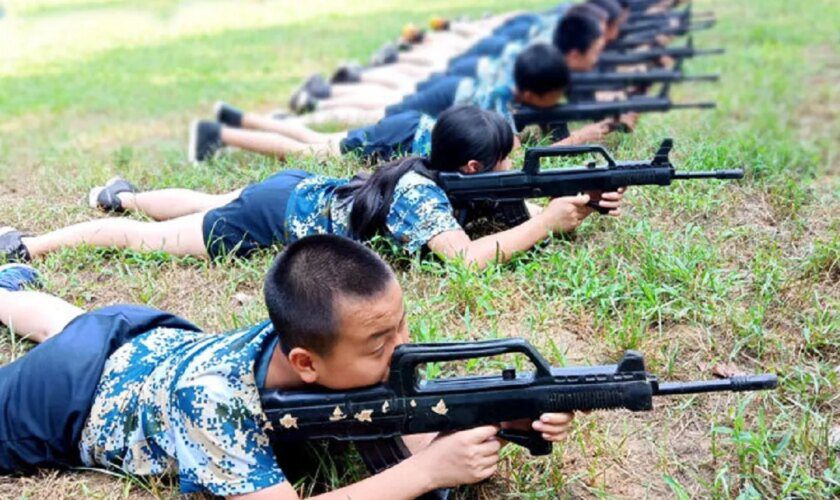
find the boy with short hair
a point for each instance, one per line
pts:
(145, 392)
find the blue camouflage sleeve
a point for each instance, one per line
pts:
(419, 212)
(221, 444)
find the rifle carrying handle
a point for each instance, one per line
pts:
(406, 358)
(534, 155)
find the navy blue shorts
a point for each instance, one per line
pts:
(254, 220)
(515, 32)
(433, 100)
(466, 66)
(389, 137)
(463, 66)
(516, 22)
(492, 46)
(46, 395)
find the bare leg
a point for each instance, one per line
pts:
(348, 116)
(418, 72)
(365, 99)
(403, 81)
(35, 315)
(356, 90)
(289, 128)
(181, 236)
(275, 144)
(166, 204)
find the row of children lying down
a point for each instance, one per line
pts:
(146, 392)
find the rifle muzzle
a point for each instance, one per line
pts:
(716, 174)
(763, 382)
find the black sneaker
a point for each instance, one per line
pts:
(11, 245)
(317, 87)
(105, 197)
(228, 115)
(302, 102)
(347, 73)
(205, 140)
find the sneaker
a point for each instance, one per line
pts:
(227, 114)
(387, 54)
(105, 197)
(347, 73)
(205, 140)
(317, 87)
(16, 277)
(302, 102)
(11, 245)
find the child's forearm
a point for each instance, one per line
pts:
(402, 481)
(503, 245)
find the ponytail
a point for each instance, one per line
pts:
(461, 134)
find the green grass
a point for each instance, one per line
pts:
(695, 274)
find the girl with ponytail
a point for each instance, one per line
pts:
(399, 200)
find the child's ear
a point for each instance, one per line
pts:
(472, 167)
(303, 364)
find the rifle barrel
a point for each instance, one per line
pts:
(713, 77)
(717, 174)
(740, 383)
(694, 105)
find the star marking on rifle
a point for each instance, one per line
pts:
(288, 421)
(440, 408)
(337, 415)
(385, 407)
(364, 416)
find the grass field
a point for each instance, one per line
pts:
(746, 273)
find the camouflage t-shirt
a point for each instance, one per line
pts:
(185, 403)
(419, 211)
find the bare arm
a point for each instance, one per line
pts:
(561, 215)
(402, 481)
(463, 457)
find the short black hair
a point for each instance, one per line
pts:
(611, 7)
(306, 281)
(589, 9)
(540, 69)
(577, 31)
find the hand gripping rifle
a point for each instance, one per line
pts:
(500, 195)
(555, 120)
(376, 417)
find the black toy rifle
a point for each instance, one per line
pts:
(611, 59)
(376, 417)
(554, 121)
(500, 195)
(594, 81)
(651, 37)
